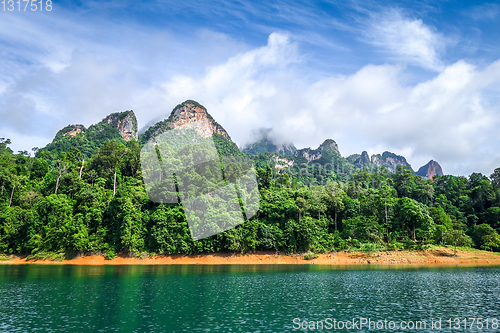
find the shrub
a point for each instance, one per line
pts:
(310, 256)
(111, 254)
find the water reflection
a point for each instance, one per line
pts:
(225, 298)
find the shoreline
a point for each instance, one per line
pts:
(433, 257)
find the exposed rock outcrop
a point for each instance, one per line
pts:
(125, 122)
(389, 160)
(282, 163)
(329, 146)
(430, 170)
(72, 130)
(363, 161)
(309, 154)
(189, 114)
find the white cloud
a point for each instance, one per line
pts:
(55, 73)
(406, 39)
(452, 117)
(447, 118)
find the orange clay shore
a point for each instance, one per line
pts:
(432, 257)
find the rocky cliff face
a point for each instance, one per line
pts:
(309, 154)
(285, 149)
(389, 160)
(72, 130)
(430, 170)
(328, 146)
(281, 163)
(125, 122)
(192, 115)
(189, 114)
(363, 161)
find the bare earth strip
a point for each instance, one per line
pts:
(433, 257)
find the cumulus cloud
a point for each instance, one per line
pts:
(448, 118)
(54, 72)
(452, 117)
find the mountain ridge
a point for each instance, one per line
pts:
(121, 126)
(188, 114)
(193, 115)
(430, 170)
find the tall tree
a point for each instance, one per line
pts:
(495, 178)
(335, 199)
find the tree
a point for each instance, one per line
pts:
(424, 193)
(318, 200)
(404, 181)
(78, 156)
(457, 238)
(265, 177)
(301, 205)
(481, 192)
(3, 146)
(495, 178)
(14, 183)
(486, 237)
(335, 199)
(411, 215)
(108, 159)
(39, 168)
(92, 176)
(61, 169)
(386, 195)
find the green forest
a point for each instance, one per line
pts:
(70, 200)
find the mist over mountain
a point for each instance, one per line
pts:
(266, 142)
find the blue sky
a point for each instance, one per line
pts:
(421, 80)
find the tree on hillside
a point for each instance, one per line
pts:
(457, 238)
(486, 237)
(495, 178)
(404, 181)
(108, 159)
(61, 170)
(335, 199)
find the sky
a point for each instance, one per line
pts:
(421, 80)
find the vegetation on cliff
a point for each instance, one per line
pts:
(88, 141)
(61, 206)
(85, 193)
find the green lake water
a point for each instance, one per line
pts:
(70, 298)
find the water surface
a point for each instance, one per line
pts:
(246, 298)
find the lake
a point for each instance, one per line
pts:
(253, 298)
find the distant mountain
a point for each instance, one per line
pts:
(192, 115)
(389, 160)
(266, 144)
(189, 114)
(360, 161)
(121, 126)
(328, 147)
(430, 170)
(309, 154)
(125, 123)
